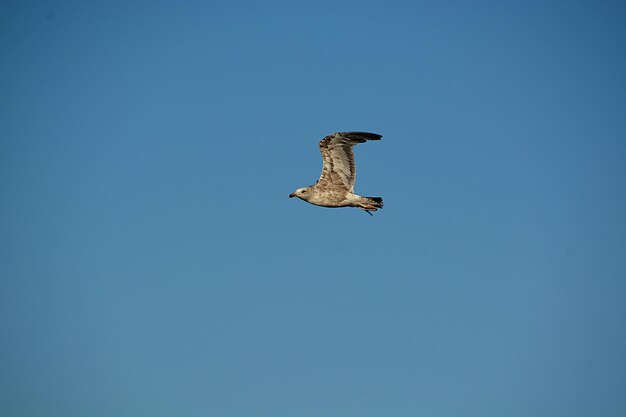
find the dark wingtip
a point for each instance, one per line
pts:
(362, 135)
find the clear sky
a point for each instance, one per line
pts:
(152, 265)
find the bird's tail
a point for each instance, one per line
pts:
(370, 203)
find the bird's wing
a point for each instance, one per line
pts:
(339, 169)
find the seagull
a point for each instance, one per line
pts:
(335, 188)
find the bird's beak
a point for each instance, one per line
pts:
(292, 195)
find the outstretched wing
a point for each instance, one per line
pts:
(339, 169)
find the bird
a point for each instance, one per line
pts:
(335, 187)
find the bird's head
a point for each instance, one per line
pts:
(300, 193)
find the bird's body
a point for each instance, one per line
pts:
(335, 188)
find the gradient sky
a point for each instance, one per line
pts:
(152, 265)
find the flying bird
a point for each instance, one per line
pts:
(335, 188)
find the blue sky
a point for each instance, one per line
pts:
(152, 264)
